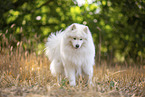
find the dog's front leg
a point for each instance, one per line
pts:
(88, 74)
(70, 73)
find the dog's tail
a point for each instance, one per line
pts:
(52, 45)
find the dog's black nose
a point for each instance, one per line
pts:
(77, 46)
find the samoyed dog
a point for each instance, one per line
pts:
(71, 53)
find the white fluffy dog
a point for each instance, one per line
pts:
(71, 53)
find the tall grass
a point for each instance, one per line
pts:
(25, 73)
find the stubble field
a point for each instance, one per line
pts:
(24, 74)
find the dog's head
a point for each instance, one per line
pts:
(77, 35)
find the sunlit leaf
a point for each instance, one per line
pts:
(103, 2)
(93, 6)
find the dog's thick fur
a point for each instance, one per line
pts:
(71, 53)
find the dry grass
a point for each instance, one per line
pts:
(28, 75)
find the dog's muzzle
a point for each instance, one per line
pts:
(77, 46)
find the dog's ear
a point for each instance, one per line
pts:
(86, 30)
(73, 27)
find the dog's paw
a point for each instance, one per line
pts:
(72, 83)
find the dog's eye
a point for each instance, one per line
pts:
(80, 39)
(74, 38)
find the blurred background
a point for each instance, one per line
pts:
(118, 30)
(118, 27)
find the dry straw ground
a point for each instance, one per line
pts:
(24, 74)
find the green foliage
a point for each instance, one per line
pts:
(119, 26)
(112, 84)
(63, 83)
